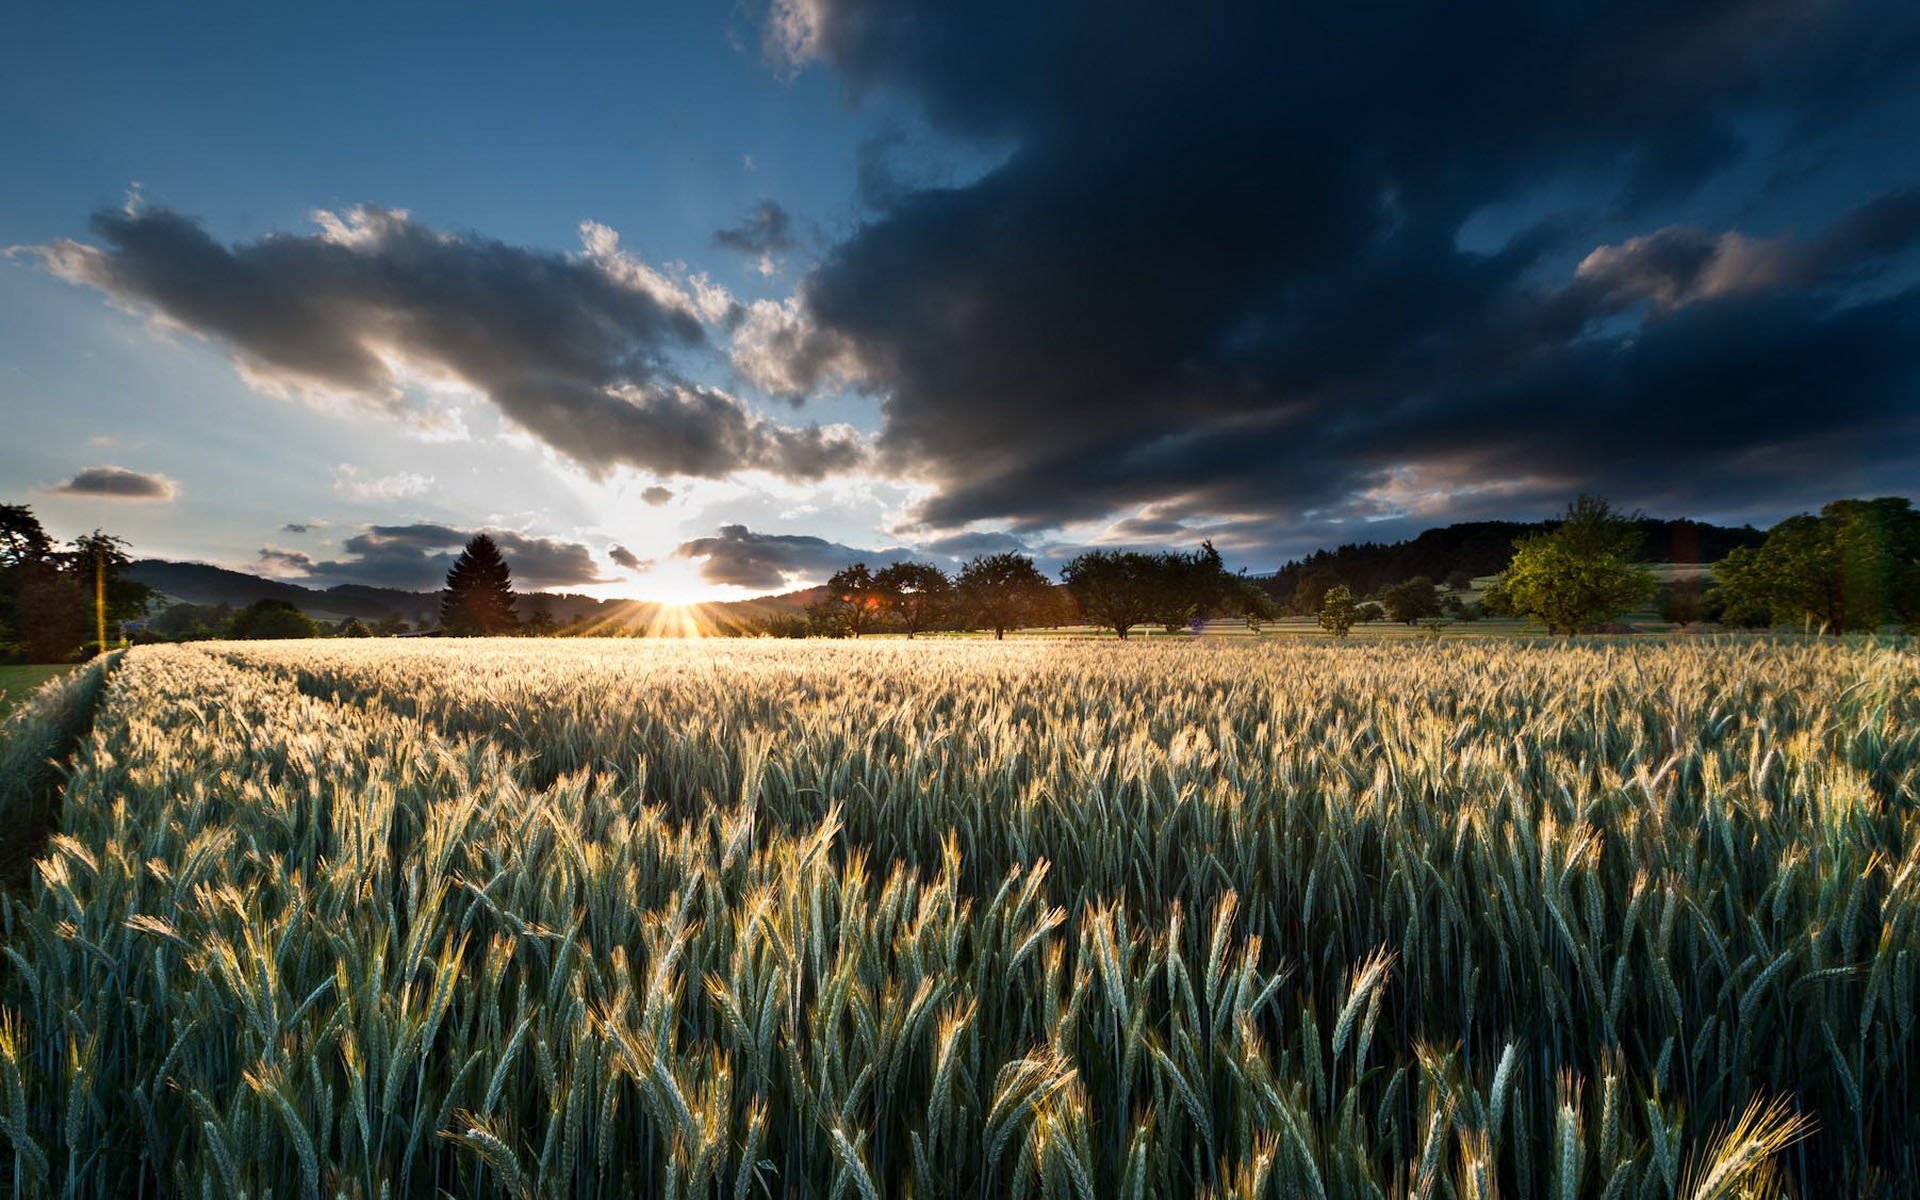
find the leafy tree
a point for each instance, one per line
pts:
(391, 625)
(1681, 602)
(1004, 591)
(1189, 587)
(1338, 611)
(26, 561)
(22, 540)
(1368, 613)
(1116, 589)
(1855, 566)
(51, 614)
(1312, 590)
(1459, 581)
(1581, 574)
(271, 619)
(1249, 601)
(102, 557)
(857, 592)
(541, 624)
(830, 618)
(1411, 600)
(479, 599)
(189, 622)
(919, 593)
(352, 627)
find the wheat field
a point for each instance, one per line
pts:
(1054, 919)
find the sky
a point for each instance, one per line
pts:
(703, 300)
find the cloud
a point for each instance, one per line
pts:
(741, 557)
(418, 556)
(296, 527)
(972, 543)
(627, 559)
(657, 495)
(401, 485)
(1227, 279)
(580, 350)
(284, 562)
(1682, 264)
(782, 351)
(764, 234)
(118, 483)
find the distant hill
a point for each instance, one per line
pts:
(1480, 548)
(203, 583)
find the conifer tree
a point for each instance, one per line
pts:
(478, 601)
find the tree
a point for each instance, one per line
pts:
(829, 618)
(1368, 613)
(352, 627)
(478, 601)
(1116, 589)
(271, 619)
(1249, 601)
(98, 563)
(1338, 610)
(1189, 587)
(1681, 602)
(391, 625)
(22, 540)
(27, 567)
(1313, 589)
(1582, 573)
(1856, 566)
(918, 593)
(1004, 591)
(1411, 600)
(51, 618)
(860, 598)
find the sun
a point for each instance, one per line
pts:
(678, 620)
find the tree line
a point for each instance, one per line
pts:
(1119, 590)
(1852, 567)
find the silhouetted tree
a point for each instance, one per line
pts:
(478, 600)
(390, 625)
(1005, 591)
(918, 593)
(1116, 589)
(862, 602)
(1188, 587)
(101, 557)
(352, 627)
(1312, 589)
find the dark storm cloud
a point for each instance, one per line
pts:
(576, 349)
(1219, 268)
(744, 558)
(766, 232)
(117, 483)
(418, 556)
